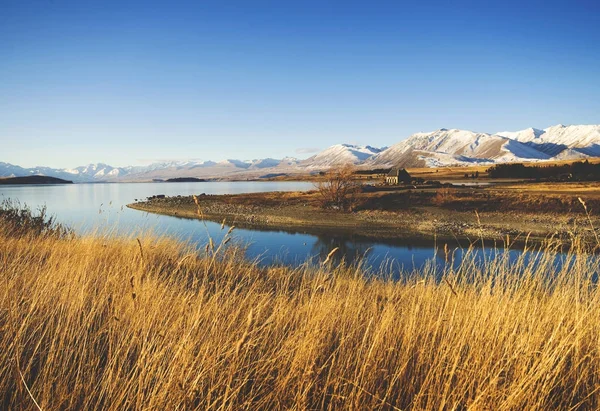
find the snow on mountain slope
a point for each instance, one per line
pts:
(583, 136)
(83, 174)
(529, 134)
(435, 149)
(454, 147)
(234, 163)
(570, 154)
(289, 161)
(432, 160)
(265, 163)
(562, 142)
(92, 172)
(340, 154)
(10, 170)
(513, 150)
(201, 164)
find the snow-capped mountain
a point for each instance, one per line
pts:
(264, 163)
(233, 163)
(340, 154)
(560, 141)
(433, 149)
(94, 172)
(289, 161)
(91, 172)
(444, 147)
(10, 170)
(173, 164)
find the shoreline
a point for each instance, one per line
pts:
(296, 212)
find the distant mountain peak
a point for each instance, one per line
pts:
(437, 148)
(454, 147)
(340, 154)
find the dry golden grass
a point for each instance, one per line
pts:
(458, 172)
(591, 188)
(110, 323)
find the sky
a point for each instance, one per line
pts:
(136, 82)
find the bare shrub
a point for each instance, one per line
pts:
(444, 197)
(339, 188)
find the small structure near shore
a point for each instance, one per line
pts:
(398, 176)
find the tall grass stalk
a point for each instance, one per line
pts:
(112, 323)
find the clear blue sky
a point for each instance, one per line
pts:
(129, 82)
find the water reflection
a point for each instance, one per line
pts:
(88, 207)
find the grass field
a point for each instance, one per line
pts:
(100, 322)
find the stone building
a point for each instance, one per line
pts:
(398, 176)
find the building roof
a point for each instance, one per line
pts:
(398, 172)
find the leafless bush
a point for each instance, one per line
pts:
(338, 190)
(444, 197)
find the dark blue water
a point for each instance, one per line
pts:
(88, 207)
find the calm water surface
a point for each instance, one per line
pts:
(88, 207)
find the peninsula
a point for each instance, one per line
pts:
(532, 211)
(33, 180)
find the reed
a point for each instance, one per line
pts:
(98, 322)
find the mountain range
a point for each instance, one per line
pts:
(439, 148)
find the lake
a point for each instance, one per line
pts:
(88, 207)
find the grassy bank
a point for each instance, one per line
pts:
(123, 323)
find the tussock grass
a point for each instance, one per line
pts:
(99, 322)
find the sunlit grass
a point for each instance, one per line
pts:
(99, 322)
